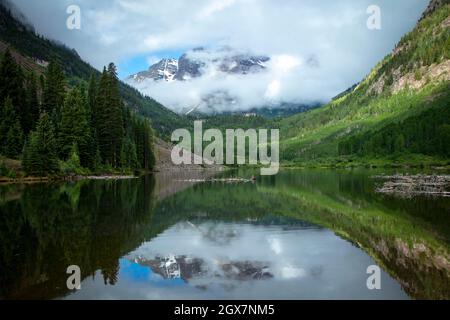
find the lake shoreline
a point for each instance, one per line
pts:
(366, 166)
(421, 169)
(31, 180)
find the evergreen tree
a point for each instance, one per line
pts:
(40, 154)
(8, 117)
(11, 83)
(32, 107)
(14, 141)
(54, 90)
(92, 112)
(11, 135)
(88, 149)
(97, 160)
(92, 93)
(93, 120)
(109, 117)
(129, 156)
(26, 156)
(143, 138)
(99, 117)
(72, 165)
(115, 115)
(399, 143)
(443, 134)
(42, 82)
(74, 128)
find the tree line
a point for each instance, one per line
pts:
(55, 129)
(426, 133)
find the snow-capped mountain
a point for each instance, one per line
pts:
(166, 69)
(198, 61)
(223, 80)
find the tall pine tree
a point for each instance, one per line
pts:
(32, 107)
(11, 84)
(74, 128)
(92, 93)
(11, 135)
(40, 154)
(54, 91)
(109, 117)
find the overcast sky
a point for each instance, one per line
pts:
(135, 33)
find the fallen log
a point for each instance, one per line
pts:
(408, 186)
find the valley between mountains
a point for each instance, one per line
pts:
(398, 115)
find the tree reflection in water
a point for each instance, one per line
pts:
(44, 228)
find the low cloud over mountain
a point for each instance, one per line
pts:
(224, 79)
(325, 46)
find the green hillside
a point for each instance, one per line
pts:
(34, 47)
(398, 113)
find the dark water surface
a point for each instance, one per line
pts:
(303, 234)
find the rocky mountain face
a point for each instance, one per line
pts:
(166, 69)
(194, 63)
(188, 68)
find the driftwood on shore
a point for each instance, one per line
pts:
(409, 186)
(32, 180)
(103, 177)
(227, 180)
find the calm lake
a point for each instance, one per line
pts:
(303, 234)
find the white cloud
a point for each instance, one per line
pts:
(273, 89)
(284, 63)
(213, 7)
(333, 32)
(285, 79)
(151, 60)
(290, 272)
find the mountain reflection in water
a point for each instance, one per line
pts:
(258, 261)
(304, 234)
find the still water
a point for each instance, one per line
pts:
(303, 234)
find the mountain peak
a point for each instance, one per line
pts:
(165, 69)
(194, 63)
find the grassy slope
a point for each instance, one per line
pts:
(313, 137)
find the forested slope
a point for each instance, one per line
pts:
(35, 48)
(399, 112)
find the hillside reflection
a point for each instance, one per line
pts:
(220, 238)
